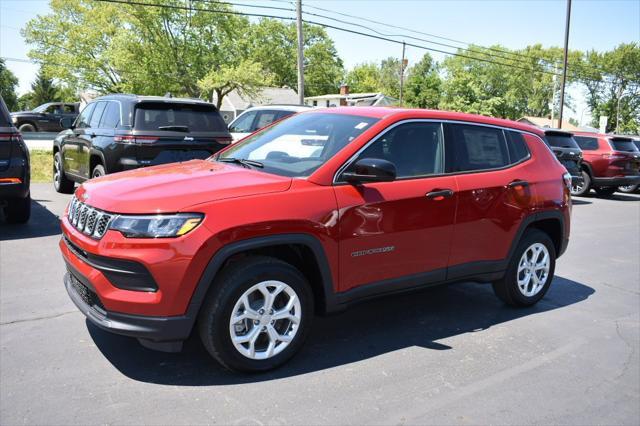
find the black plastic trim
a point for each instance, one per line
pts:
(616, 181)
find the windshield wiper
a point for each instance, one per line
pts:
(176, 128)
(244, 162)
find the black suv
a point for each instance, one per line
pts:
(15, 172)
(122, 132)
(566, 149)
(46, 117)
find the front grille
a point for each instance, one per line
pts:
(85, 293)
(88, 220)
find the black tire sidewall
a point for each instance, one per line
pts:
(633, 189)
(228, 291)
(26, 125)
(531, 237)
(99, 168)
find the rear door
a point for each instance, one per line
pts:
(495, 193)
(72, 144)
(168, 132)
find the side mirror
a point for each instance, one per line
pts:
(371, 170)
(66, 123)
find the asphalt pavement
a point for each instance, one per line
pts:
(449, 355)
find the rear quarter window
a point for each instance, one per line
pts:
(623, 145)
(587, 143)
(518, 149)
(561, 141)
(195, 117)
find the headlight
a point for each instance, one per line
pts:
(156, 226)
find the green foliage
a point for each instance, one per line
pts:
(423, 86)
(8, 83)
(247, 77)
(364, 78)
(43, 90)
(619, 84)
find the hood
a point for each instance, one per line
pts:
(173, 187)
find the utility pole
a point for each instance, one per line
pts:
(553, 96)
(300, 53)
(402, 74)
(566, 54)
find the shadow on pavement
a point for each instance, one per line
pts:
(42, 223)
(367, 330)
(580, 202)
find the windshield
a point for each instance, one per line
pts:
(623, 145)
(167, 116)
(41, 108)
(562, 141)
(297, 146)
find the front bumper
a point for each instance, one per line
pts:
(616, 181)
(154, 331)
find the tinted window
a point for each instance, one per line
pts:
(244, 123)
(97, 114)
(299, 145)
(111, 116)
(416, 149)
(518, 150)
(623, 145)
(637, 144)
(561, 141)
(587, 143)
(264, 119)
(69, 109)
(164, 115)
(478, 148)
(83, 119)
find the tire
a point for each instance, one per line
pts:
(61, 183)
(628, 189)
(27, 127)
(607, 191)
(579, 191)
(98, 171)
(18, 210)
(224, 299)
(508, 288)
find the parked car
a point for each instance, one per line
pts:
(15, 172)
(258, 117)
(122, 132)
(249, 244)
(568, 153)
(631, 188)
(46, 117)
(608, 162)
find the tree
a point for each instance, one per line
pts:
(43, 90)
(8, 83)
(423, 84)
(247, 78)
(390, 77)
(612, 80)
(364, 78)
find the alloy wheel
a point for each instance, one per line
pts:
(56, 172)
(533, 269)
(265, 320)
(577, 188)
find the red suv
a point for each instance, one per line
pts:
(608, 162)
(309, 215)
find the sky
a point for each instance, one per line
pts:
(595, 24)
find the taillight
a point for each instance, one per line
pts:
(130, 139)
(609, 156)
(10, 137)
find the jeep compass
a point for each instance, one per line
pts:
(308, 216)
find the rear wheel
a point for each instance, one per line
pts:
(628, 189)
(580, 189)
(257, 314)
(27, 127)
(530, 270)
(98, 171)
(18, 210)
(61, 183)
(606, 191)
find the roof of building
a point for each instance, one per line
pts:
(546, 122)
(268, 96)
(347, 96)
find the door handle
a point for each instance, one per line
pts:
(439, 194)
(517, 183)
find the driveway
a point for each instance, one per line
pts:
(449, 355)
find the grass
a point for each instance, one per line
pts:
(41, 166)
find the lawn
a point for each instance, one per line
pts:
(41, 166)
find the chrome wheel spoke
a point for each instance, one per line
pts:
(533, 269)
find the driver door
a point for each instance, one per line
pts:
(399, 232)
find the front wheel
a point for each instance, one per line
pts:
(530, 270)
(27, 127)
(61, 183)
(257, 314)
(628, 189)
(582, 188)
(98, 171)
(606, 191)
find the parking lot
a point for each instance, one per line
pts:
(449, 355)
